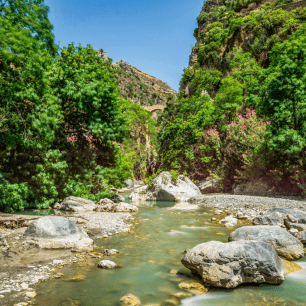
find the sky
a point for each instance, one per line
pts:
(154, 36)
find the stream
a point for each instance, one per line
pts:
(155, 246)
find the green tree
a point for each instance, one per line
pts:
(283, 96)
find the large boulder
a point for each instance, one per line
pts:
(167, 188)
(141, 193)
(284, 243)
(208, 186)
(231, 264)
(107, 205)
(77, 204)
(54, 232)
(281, 216)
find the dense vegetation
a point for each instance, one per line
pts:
(63, 129)
(240, 113)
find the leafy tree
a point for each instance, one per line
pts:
(283, 96)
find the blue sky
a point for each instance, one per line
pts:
(155, 36)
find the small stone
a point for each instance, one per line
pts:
(1, 296)
(194, 287)
(58, 262)
(58, 275)
(213, 219)
(174, 272)
(218, 212)
(172, 301)
(24, 286)
(22, 304)
(130, 300)
(30, 294)
(106, 264)
(110, 252)
(182, 295)
(5, 291)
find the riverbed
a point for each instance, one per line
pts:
(150, 267)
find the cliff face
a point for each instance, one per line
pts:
(139, 87)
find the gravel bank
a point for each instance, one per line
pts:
(250, 205)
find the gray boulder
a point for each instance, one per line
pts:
(208, 186)
(54, 232)
(302, 236)
(284, 243)
(167, 188)
(77, 204)
(117, 198)
(231, 264)
(280, 216)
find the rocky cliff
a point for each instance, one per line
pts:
(255, 27)
(139, 87)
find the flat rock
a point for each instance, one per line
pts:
(107, 264)
(55, 232)
(285, 244)
(77, 204)
(231, 264)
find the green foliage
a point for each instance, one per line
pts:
(283, 96)
(206, 80)
(229, 98)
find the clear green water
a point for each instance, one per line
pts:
(161, 234)
(43, 212)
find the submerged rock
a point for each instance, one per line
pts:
(54, 232)
(285, 244)
(77, 204)
(291, 266)
(130, 300)
(194, 287)
(231, 264)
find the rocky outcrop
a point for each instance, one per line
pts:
(58, 232)
(301, 236)
(284, 243)
(231, 264)
(76, 204)
(107, 205)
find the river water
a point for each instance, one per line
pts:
(160, 235)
